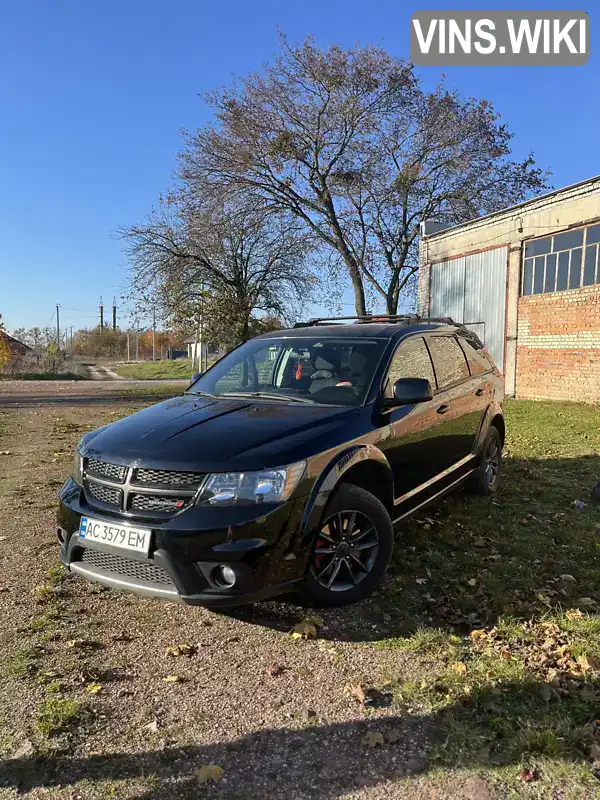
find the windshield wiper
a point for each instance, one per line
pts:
(202, 394)
(269, 396)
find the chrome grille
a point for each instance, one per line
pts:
(165, 477)
(149, 502)
(113, 472)
(127, 567)
(105, 494)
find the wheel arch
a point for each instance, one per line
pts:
(362, 465)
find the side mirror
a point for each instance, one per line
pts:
(409, 390)
(195, 377)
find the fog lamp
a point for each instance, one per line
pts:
(224, 576)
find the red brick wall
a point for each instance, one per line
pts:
(558, 345)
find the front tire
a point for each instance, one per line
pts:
(351, 551)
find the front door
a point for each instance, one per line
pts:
(420, 433)
(466, 394)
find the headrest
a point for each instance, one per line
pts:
(326, 358)
(358, 361)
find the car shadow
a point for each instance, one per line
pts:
(466, 561)
(326, 760)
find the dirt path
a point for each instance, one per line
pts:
(92, 706)
(24, 394)
(103, 374)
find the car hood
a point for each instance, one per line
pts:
(204, 434)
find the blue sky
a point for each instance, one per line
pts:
(94, 93)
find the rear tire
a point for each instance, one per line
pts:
(486, 478)
(351, 550)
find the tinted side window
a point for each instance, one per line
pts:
(411, 360)
(448, 360)
(476, 357)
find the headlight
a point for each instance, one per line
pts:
(77, 473)
(266, 486)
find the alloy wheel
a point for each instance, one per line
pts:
(492, 461)
(346, 549)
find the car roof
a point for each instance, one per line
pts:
(362, 330)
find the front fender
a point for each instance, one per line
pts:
(329, 478)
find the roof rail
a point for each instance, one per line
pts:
(407, 319)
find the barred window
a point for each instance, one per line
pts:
(563, 261)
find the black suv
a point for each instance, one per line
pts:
(286, 464)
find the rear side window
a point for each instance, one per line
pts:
(411, 360)
(448, 359)
(476, 357)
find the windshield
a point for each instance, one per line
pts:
(305, 370)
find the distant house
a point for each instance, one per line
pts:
(17, 347)
(210, 352)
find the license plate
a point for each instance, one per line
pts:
(123, 536)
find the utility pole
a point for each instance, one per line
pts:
(154, 333)
(128, 347)
(101, 316)
(58, 327)
(114, 313)
(137, 341)
(71, 347)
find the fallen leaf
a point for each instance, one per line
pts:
(356, 691)
(460, 668)
(583, 663)
(209, 772)
(472, 582)
(152, 727)
(421, 581)
(173, 679)
(587, 601)
(567, 577)
(303, 630)
(177, 650)
(5, 452)
(25, 749)
(313, 619)
(573, 613)
(394, 735)
(93, 688)
(373, 739)
(527, 775)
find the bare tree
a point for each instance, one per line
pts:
(229, 260)
(351, 145)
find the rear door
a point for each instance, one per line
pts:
(465, 396)
(418, 440)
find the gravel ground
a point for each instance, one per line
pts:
(272, 712)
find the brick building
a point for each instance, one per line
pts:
(527, 280)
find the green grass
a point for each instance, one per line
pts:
(56, 714)
(23, 662)
(497, 600)
(44, 376)
(157, 370)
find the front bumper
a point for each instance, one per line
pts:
(260, 543)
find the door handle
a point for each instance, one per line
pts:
(479, 392)
(443, 408)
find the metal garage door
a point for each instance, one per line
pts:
(472, 290)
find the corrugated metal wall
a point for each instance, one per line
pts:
(472, 290)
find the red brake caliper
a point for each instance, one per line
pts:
(319, 556)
